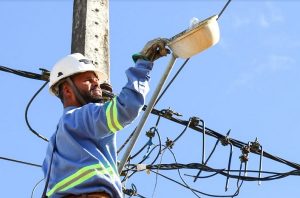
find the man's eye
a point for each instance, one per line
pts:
(87, 80)
(91, 80)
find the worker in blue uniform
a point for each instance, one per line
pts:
(81, 159)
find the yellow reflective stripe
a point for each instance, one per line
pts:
(66, 181)
(86, 177)
(80, 176)
(112, 116)
(108, 118)
(115, 115)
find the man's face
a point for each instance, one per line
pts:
(88, 85)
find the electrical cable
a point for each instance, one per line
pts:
(224, 172)
(211, 153)
(135, 171)
(184, 130)
(130, 136)
(21, 162)
(202, 177)
(179, 136)
(159, 151)
(35, 186)
(44, 76)
(243, 178)
(206, 194)
(171, 81)
(26, 114)
(163, 92)
(148, 143)
(234, 142)
(185, 62)
(223, 9)
(138, 152)
(146, 156)
(126, 141)
(160, 145)
(26, 74)
(132, 192)
(156, 178)
(158, 99)
(178, 170)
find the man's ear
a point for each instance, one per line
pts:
(67, 91)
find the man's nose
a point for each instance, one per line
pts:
(96, 82)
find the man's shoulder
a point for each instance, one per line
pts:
(88, 107)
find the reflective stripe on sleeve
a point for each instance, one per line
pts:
(80, 176)
(112, 117)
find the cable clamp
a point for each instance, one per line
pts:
(168, 113)
(255, 146)
(225, 141)
(195, 121)
(130, 192)
(169, 143)
(45, 74)
(245, 151)
(244, 158)
(151, 132)
(141, 167)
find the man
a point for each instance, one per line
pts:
(81, 159)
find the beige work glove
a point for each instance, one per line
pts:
(153, 50)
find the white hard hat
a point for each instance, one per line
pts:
(70, 65)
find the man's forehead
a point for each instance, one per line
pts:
(85, 75)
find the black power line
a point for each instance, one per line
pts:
(26, 113)
(223, 9)
(44, 76)
(234, 142)
(21, 162)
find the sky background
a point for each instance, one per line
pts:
(248, 82)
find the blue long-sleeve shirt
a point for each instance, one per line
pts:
(85, 158)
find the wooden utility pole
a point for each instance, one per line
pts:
(90, 32)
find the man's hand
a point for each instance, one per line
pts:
(107, 92)
(153, 50)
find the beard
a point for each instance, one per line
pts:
(91, 96)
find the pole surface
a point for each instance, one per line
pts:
(90, 32)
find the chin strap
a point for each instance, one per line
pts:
(78, 96)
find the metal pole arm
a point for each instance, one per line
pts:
(146, 113)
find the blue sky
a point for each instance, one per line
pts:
(248, 82)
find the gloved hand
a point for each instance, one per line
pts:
(107, 93)
(153, 50)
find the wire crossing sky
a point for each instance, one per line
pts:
(246, 83)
